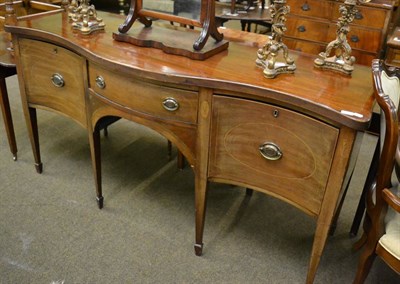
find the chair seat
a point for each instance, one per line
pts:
(391, 239)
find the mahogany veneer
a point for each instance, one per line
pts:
(217, 112)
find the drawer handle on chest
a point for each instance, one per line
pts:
(301, 29)
(170, 104)
(354, 38)
(305, 7)
(100, 82)
(358, 16)
(270, 151)
(57, 80)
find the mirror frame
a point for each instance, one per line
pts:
(206, 21)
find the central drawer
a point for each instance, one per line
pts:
(160, 101)
(247, 139)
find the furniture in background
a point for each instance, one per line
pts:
(382, 221)
(393, 48)
(260, 15)
(113, 6)
(7, 65)
(231, 124)
(7, 68)
(311, 25)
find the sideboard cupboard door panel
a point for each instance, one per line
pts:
(272, 149)
(53, 78)
(138, 95)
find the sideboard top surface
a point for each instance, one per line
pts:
(324, 94)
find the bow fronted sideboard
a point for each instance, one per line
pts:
(295, 137)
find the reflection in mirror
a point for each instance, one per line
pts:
(182, 8)
(192, 43)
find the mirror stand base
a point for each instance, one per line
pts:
(172, 40)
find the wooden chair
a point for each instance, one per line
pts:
(382, 220)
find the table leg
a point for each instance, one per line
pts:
(5, 108)
(31, 122)
(95, 150)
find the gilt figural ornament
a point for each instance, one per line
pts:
(337, 55)
(268, 54)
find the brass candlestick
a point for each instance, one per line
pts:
(267, 55)
(84, 17)
(342, 60)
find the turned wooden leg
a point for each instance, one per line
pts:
(95, 152)
(8, 123)
(364, 265)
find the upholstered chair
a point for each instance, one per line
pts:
(382, 220)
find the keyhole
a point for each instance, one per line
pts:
(275, 113)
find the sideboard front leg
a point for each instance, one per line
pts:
(201, 186)
(201, 164)
(335, 183)
(31, 121)
(94, 141)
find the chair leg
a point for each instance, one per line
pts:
(364, 264)
(5, 108)
(368, 183)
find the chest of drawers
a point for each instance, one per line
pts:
(311, 25)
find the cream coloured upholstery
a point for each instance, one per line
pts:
(391, 239)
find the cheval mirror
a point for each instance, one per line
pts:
(192, 43)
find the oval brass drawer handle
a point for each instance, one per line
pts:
(57, 80)
(170, 104)
(270, 151)
(100, 82)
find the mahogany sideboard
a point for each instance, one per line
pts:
(295, 137)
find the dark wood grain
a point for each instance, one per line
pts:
(320, 93)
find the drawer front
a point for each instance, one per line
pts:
(305, 46)
(310, 8)
(366, 16)
(53, 78)
(158, 101)
(240, 127)
(360, 38)
(306, 29)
